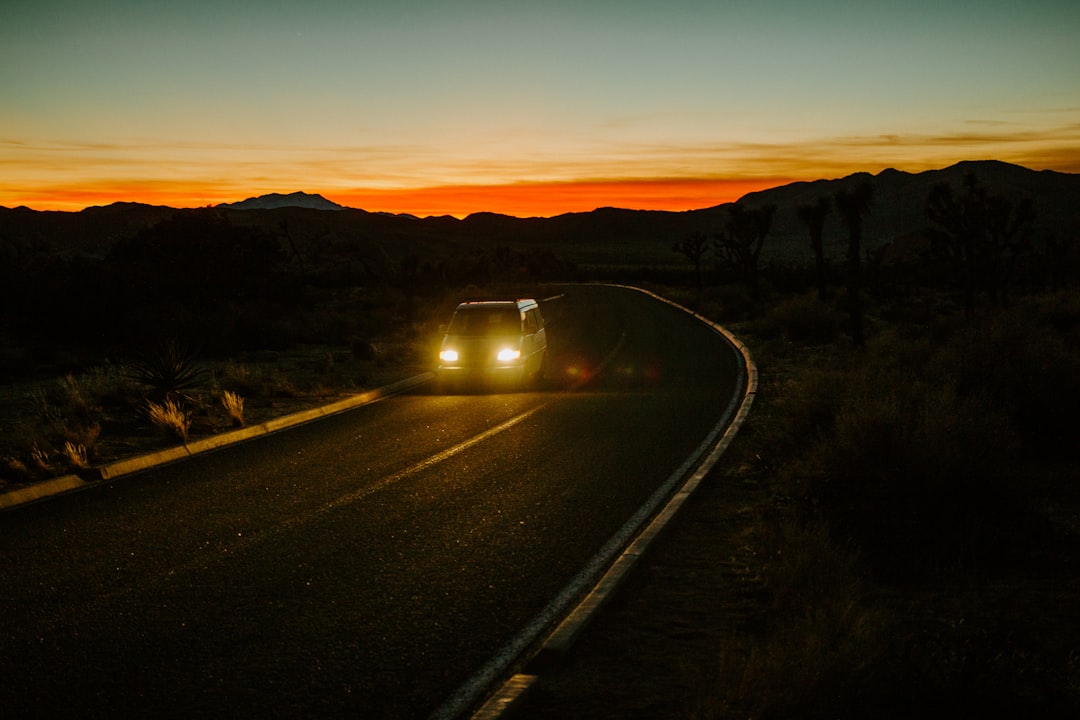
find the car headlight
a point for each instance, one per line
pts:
(508, 355)
(448, 356)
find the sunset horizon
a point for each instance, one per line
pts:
(522, 109)
(520, 199)
(526, 199)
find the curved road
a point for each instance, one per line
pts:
(363, 565)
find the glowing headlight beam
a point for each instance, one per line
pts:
(508, 355)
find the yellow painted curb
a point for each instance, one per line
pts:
(67, 483)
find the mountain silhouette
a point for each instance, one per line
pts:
(602, 236)
(900, 198)
(277, 200)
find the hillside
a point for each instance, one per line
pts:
(606, 236)
(899, 199)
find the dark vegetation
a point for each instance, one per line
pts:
(896, 531)
(177, 316)
(913, 546)
(910, 542)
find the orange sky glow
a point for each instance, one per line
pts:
(526, 109)
(537, 199)
(548, 199)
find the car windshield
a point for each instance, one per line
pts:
(486, 321)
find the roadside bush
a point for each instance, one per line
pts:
(234, 407)
(909, 564)
(75, 456)
(825, 647)
(801, 319)
(68, 416)
(58, 434)
(902, 460)
(169, 416)
(241, 379)
(1029, 365)
(110, 385)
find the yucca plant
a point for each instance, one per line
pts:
(168, 369)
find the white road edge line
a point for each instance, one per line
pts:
(559, 640)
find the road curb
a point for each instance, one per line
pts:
(68, 483)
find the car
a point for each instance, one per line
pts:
(494, 341)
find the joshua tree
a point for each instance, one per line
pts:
(694, 246)
(813, 216)
(295, 253)
(981, 235)
(852, 204)
(739, 244)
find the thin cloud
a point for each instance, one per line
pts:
(63, 174)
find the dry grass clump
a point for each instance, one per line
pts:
(76, 456)
(234, 407)
(169, 416)
(58, 433)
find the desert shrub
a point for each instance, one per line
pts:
(278, 384)
(825, 645)
(903, 463)
(68, 414)
(57, 433)
(109, 384)
(241, 379)
(904, 458)
(801, 319)
(75, 455)
(1028, 364)
(234, 407)
(729, 303)
(809, 405)
(169, 416)
(42, 461)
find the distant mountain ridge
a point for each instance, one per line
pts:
(899, 202)
(602, 236)
(273, 201)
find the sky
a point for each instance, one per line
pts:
(533, 108)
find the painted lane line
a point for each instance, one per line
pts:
(435, 459)
(246, 542)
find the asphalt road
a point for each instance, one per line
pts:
(364, 565)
